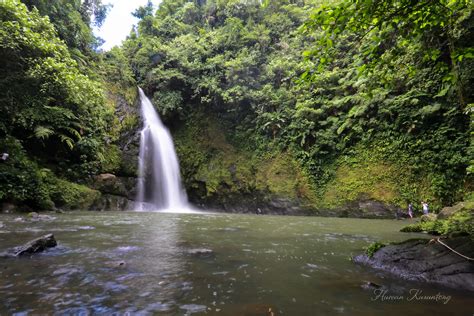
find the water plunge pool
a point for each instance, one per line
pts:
(215, 264)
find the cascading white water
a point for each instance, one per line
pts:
(159, 182)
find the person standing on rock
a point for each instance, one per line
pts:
(426, 208)
(410, 210)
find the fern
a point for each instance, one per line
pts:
(43, 132)
(67, 140)
(74, 132)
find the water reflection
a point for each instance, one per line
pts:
(175, 264)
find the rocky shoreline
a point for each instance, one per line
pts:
(368, 209)
(427, 261)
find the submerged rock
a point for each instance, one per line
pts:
(369, 285)
(193, 308)
(427, 261)
(36, 245)
(201, 252)
(115, 264)
(33, 216)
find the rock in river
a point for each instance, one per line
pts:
(427, 261)
(200, 252)
(36, 245)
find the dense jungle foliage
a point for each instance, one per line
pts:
(378, 107)
(56, 124)
(326, 102)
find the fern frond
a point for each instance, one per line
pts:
(68, 140)
(43, 132)
(74, 132)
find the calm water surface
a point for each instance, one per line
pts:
(143, 263)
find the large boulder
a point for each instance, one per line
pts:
(36, 245)
(108, 183)
(427, 261)
(450, 210)
(430, 217)
(117, 192)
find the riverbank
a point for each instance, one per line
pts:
(446, 259)
(428, 261)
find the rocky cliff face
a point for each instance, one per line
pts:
(118, 187)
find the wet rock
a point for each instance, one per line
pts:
(368, 285)
(201, 252)
(106, 177)
(256, 202)
(260, 203)
(117, 192)
(422, 260)
(115, 264)
(36, 245)
(109, 202)
(367, 208)
(108, 183)
(33, 216)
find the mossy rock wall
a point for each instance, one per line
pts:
(371, 173)
(221, 175)
(370, 181)
(122, 153)
(72, 196)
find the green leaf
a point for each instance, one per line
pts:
(43, 132)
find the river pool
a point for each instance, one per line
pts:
(208, 264)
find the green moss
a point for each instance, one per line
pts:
(377, 173)
(373, 248)
(280, 174)
(73, 196)
(412, 228)
(112, 159)
(207, 157)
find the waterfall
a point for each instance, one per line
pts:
(159, 182)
